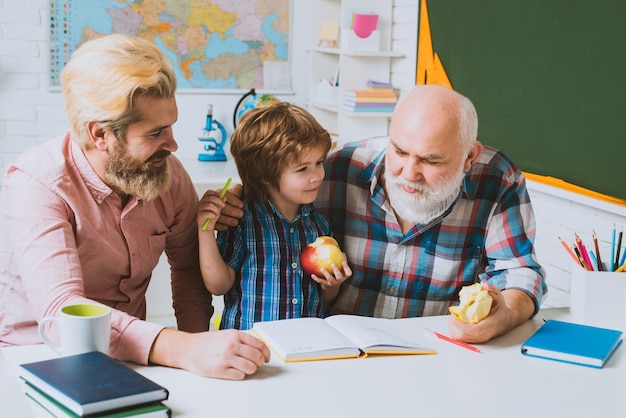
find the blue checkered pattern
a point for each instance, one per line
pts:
(264, 251)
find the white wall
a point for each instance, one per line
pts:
(30, 113)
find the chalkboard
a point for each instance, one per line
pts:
(547, 78)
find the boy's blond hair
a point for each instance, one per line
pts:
(269, 139)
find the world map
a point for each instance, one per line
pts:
(213, 44)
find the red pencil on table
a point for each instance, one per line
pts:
(453, 341)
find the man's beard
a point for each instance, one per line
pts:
(135, 178)
(427, 202)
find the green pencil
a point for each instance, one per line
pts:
(224, 190)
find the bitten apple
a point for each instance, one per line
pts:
(474, 304)
(321, 253)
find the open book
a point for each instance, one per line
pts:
(339, 336)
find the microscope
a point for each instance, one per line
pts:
(213, 139)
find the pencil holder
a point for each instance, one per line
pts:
(598, 298)
(327, 93)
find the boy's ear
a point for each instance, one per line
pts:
(97, 135)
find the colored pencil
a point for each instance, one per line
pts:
(224, 190)
(457, 342)
(594, 259)
(612, 260)
(569, 250)
(595, 244)
(581, 260)
(583, 251)
(618, 248)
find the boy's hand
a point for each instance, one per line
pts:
(231, 212)
(334, 279)
(209, 209)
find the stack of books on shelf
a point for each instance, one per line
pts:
(92, 385)
(376, 97)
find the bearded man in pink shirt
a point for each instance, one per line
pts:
(85, 218)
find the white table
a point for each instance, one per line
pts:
(498, 382)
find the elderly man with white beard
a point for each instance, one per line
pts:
(428, 210)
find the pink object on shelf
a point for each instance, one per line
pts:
(363, 24)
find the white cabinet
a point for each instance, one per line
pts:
(355, 68)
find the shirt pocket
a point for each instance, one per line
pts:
(454, 263)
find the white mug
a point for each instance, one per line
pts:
(81, 328)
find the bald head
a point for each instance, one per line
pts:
(439, 110)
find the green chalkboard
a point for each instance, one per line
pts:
(547, 78)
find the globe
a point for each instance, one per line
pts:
(252, 100)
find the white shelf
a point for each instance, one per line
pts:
(356, 67)
(326, 50)
(324, 106)
(350, 53)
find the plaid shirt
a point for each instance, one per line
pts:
(488, 233)
(264, 250)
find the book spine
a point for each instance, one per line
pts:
(369, 109)
(386, 102)
(369, 104)
(379, 84)
(373, 96)
(369, 93)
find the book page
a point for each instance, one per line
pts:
(302, 337)
(377, 333)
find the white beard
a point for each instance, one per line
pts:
(427, 202)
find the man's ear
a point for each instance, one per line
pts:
(97, 136)
(473, 154)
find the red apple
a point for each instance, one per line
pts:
(321, 253)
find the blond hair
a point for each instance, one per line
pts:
(269, 139)
(103, 77)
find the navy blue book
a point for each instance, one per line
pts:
(573, 343)
(151, 410)
(91, 383)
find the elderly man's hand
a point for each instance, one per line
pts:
(509, 309)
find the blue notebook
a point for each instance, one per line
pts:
(56, 409)
(573, 343)
(92, 382)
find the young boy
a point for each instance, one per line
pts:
(279, 151)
